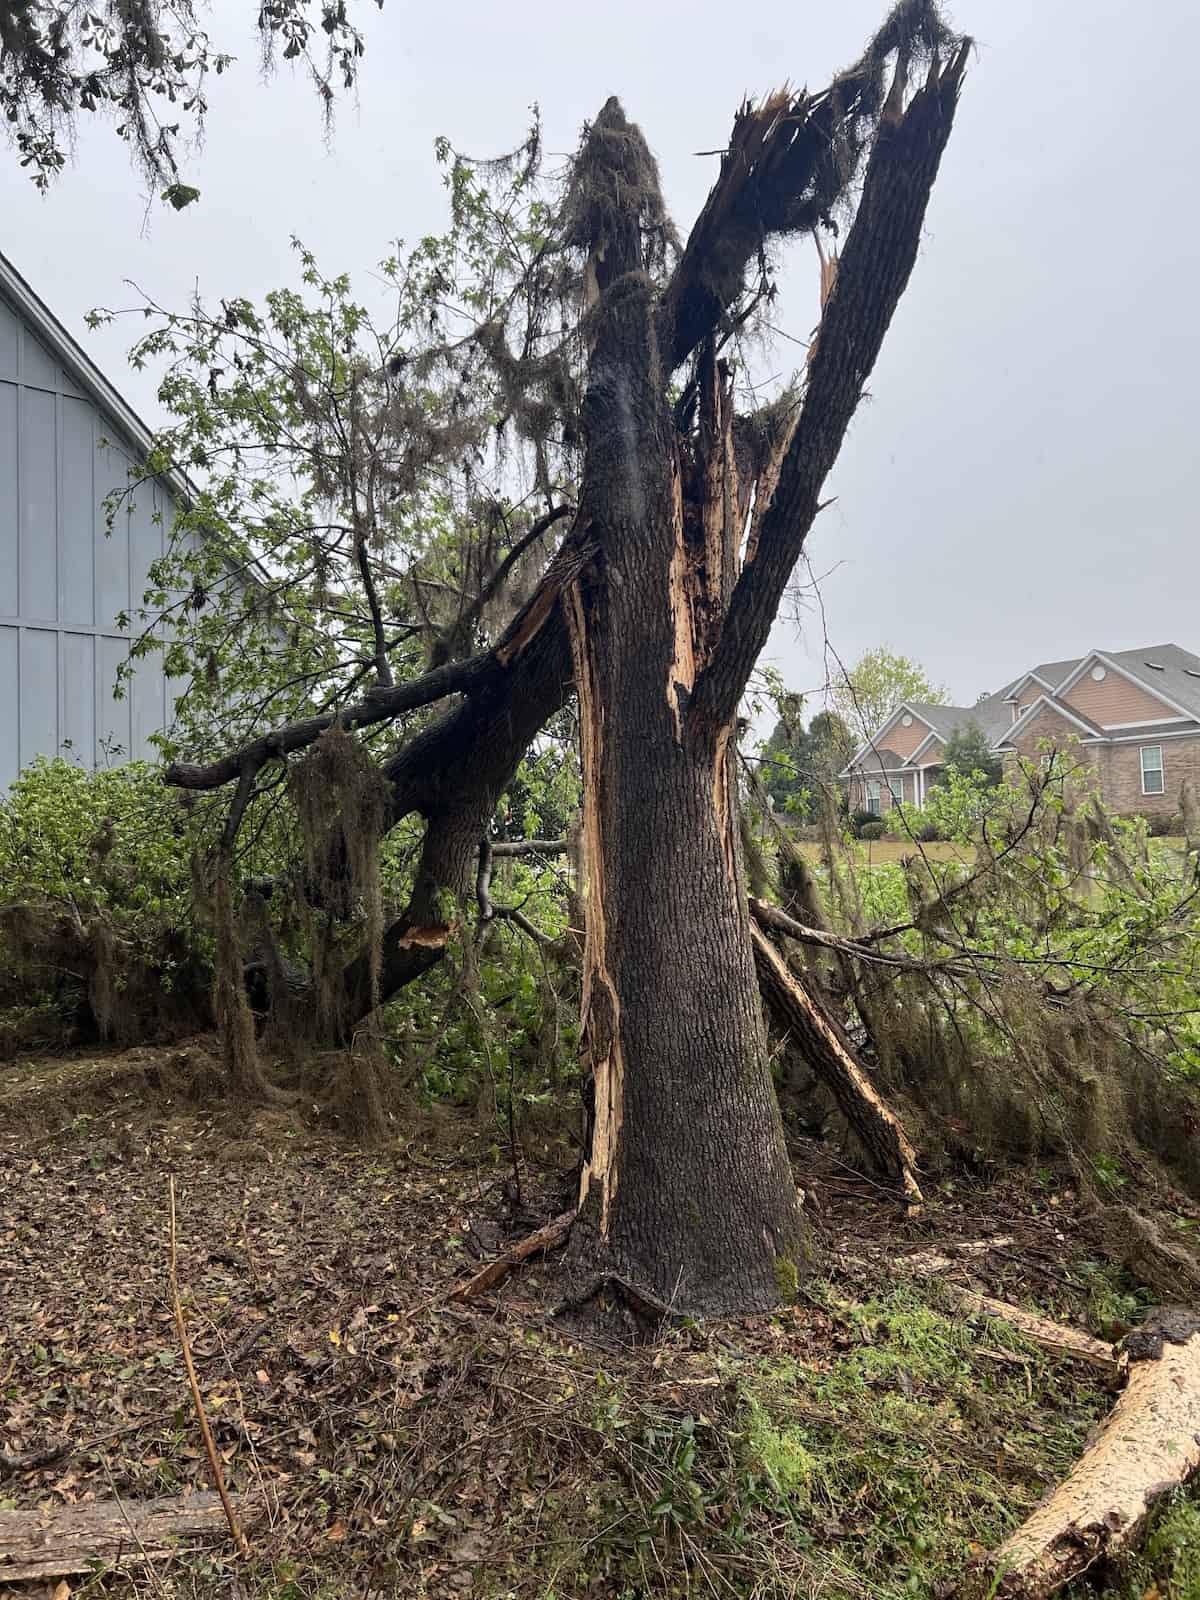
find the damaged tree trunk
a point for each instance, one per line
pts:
(683, 1099)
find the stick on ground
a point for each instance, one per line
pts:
(214, 1460)
(547, 1238)
(1149, 1445)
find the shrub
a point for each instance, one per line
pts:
(875, 829)
(1162, 827)
(98, 935)
(861, 819)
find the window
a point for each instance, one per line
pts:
(1152, 769)
(874, 793)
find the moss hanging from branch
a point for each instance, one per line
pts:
(342, 804)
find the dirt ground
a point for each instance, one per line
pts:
(388, 1442)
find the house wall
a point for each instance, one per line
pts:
(63, 580)
(1120, 767)
(905, 740)
(901, 788)
(1114, 700)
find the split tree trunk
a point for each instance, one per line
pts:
(688, 1190)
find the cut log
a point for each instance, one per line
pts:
(830, 1055)
(60, 1540)
(1149, 1445)
(547, 1238)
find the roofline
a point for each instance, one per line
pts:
(1074, 676)
(1031, 713)
(871, 743)
(84, 370)
(1020, 684)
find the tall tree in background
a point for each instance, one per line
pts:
(145, 64)
(610, 351)
(871, 689)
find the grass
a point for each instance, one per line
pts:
(882, 852)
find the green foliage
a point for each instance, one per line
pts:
(955, 808)
(798, 764)
(876, 684)
(96, 897)
(969, 753)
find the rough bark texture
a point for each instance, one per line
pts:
(61, 1540)
(1149, 1445)
(673, 1030)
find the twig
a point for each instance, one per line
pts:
(214, 1461)
(547, 1238)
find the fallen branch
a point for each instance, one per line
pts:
(28, 1460)
(1149, 1445)
(57, 1541)
(214, 1461)
(1069, 1343)
(831, 1057)
(547, 1238)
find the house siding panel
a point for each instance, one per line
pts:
(10, 749)
(904, 740)
(39, 693)
(9, 504)
(1121, 776)
(77, 717)
(62, 581)
(37, 479)
(1114, 700)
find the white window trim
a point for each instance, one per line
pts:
(874, 802)
(1160, 770)
(1146, 722)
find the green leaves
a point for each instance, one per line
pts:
(180, 195)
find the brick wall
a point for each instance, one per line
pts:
(1118, 767)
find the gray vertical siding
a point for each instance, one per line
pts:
(63, 580)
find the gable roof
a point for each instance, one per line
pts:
(1045, 702)
(1166, 671)
(81, 369)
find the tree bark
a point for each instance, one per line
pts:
(687, 1190)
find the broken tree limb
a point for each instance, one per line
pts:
(548, 1238)
(832, 1058)
(54, 1542)
(1149, 1445)
(1069, 1343)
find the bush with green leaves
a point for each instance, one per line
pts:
(98, 930)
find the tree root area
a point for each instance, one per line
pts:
(540, 1434)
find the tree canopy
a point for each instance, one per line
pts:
(874, 685)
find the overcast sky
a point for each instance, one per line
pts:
(1023, 481)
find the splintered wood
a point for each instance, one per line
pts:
(1149, 1445)
(61, 1540)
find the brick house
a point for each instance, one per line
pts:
(1132, 715)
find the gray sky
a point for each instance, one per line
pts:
(1022, 482)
